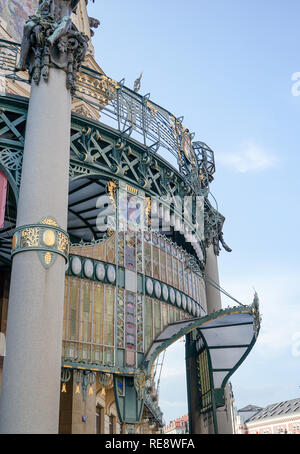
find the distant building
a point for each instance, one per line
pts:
(243, 415)
(280, 418)
(178, 426)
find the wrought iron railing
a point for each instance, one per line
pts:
(127, 111)
(154, 409)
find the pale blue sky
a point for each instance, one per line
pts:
(227, 67)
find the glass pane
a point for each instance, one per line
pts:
(155, 253)
(148, 259)
(157, 318)
(148, 323)
(163, 266)
(109, 315)
(85, 314)
(130, 250)
(98, 313)
(74, 308)
(169, 269)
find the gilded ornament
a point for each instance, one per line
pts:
(49, 237)
(140, 383)
(62, 242)
(48, 258)
(49, 221)
(148, 210)
(112, 187)
(131, 189)
(14, 242)
(30, 237)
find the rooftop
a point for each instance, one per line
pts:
(250, 408)
(285, 408)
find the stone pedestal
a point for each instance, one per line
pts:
(31, 374)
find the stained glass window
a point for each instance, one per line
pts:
(148, 258)
(180, 276)
(190, 283)
(74, 308)
(169, 269)
(109, 315)
(186, 286)
(85, 319)
(164, 313)
(120, 319)
(99, 252)
(66, 298)
(139, 253)
(130, 328)
(155, 255)
(171, 314)
(204, 381)
(121, 248)
(140, 323)
(98, 321)
(175, 273)
(148, 323)
(130, 250)
(111, 249)
(157, 318)
(163, 266)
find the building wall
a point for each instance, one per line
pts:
(178, 426)
(14, 14)
(78, 416)
(290, 425)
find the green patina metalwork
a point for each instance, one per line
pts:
(119, 282)
(99, 151)
(197, 323)
(96, 154)
(120, 155)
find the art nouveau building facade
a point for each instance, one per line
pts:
(130, 260)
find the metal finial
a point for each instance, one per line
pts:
(137, 83)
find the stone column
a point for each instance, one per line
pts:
(31, 374)
(52, 53)
(214, 303)
(213, 296)
(201, 423)
(196, 423)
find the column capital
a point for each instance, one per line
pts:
(50, 39)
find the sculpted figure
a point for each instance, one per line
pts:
(54, 15)
(33, 27)
(63, 11)
(51, 39)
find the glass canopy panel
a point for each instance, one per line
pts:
(228, 338)
(226, 358)
(218, 378)
(230, 335)
(231, 319)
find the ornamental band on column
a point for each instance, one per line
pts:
(51, 39)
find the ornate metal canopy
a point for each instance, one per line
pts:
(227, 335)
